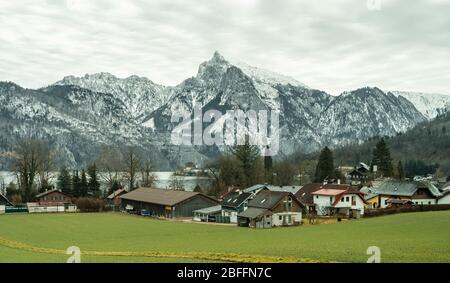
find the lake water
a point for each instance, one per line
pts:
(163, 180)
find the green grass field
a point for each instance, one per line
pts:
(109, 237)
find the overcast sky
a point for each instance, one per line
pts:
(330, 45)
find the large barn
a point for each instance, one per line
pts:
(165, 203)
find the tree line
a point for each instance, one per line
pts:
(34, 167)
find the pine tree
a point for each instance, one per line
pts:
(325, 166)
(76, 182)
(83, 184)
(401, 171)
(248, 155)
(93, 184)
(64, 182)
(382, 159)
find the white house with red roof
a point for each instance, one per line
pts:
(346, 202)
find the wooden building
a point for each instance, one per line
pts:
(53, 198)
(165, 203)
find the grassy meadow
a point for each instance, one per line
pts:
(116, 237)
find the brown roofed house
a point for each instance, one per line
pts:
(165, 203)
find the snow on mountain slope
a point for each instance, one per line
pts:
(80, 114)
(429, 104)
(140, 95)
(266, 76)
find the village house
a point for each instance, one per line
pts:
(165, 203)
(53, 197)
(304, 195)
(270, 208)
(339, 200)
(233, 204)
(419, 192)
(359, 175)
(236, 201)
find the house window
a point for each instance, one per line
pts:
(385, 202)
(347, 199)
(331, 199)
(317, 196)
(280, 217)
(342, 199)
(429, 202)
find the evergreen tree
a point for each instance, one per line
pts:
(249, 156)
(64, 182)
(381, 157)
(401, 171)
(325, 166)
(93, 184)
(76, 184)
(83, 184)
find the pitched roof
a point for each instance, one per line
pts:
(160, 196)
(51, 191)
(116, 193)
(254, 212)
(268, 199)
(328, 192)
(211, 209)
(400, 188)
(4, 197)
(289, 189)
(235, 199)
(253, 188)
(304, 194)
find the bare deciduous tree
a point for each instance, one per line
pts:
(110, 165)
(27, 165)
(148, 178)
(132, 164)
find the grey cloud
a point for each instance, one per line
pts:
(330, 45)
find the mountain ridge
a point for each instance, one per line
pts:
(105, 110)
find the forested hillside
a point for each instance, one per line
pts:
(424, 148)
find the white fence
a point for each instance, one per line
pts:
(49, 209)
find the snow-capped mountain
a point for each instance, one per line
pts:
(138, 94)
(429, 104)
(80, 114)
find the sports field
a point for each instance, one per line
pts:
(110, 237)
